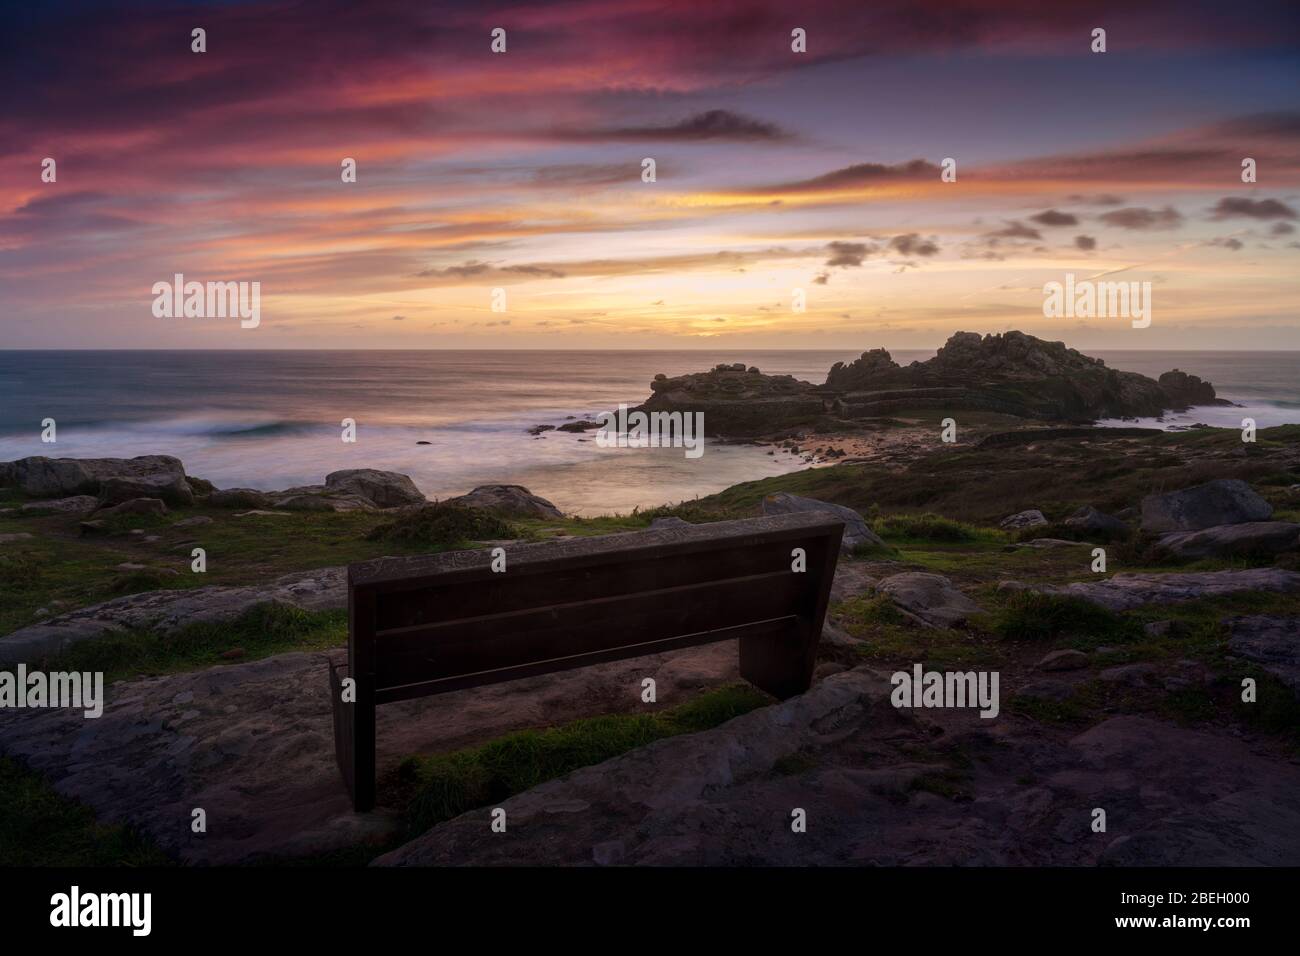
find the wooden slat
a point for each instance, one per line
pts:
(518, 588)
(775, 628)
(503, 640)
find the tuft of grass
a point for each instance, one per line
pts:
(444, 526)
(1034, 617)
(929, 527)
(261, 631)
(41, 828)
(447, 785)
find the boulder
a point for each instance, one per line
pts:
(671, 521)
(856, 531)
(386, 489)
(1088, 520)
(509, 500)
(43, 477)
(11, 536)
(172, 489)
(1251, 539)
(1218, 502)
(1127, 591)
(324, 503)
(1047, 689)
(1186, 390)
(238, 498)
(166, 612)
(1023, 519)
(1272, 641)
(931, 598)
(135, 506)
(78, 504)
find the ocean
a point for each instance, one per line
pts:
(271, 419)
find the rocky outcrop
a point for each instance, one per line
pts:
(928, 598)
(1219, 502)
(514, 501)
(166, 612)
(238, 498)
(1033, 518)
(1126, 592)
(1186, 390)
(253, 744)
(43, 477)
(856, 533)
(1012, 373)
(1272, 641)
(736, 400)
(384, 489)
(1257, 539)
(864, 779)
(171, 489)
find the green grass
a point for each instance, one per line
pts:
(1033, 617)
(932, 527)
(447, 785)
(38, 827)
(444, 527)
(261, 631)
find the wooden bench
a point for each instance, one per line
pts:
(443, 622)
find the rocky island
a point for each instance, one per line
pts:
(1011, 374)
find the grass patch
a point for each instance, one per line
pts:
(41, 828)
(445, 527)
(447, 785)
(931, 527)
(260, 631)
(1034, 617)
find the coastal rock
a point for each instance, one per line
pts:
(1272, 641)
(166, 612)
(385, 489)
(735, 401)
(172, 489)
(43, 477)
(509, 500)
(1186, 390)
(717, 798)
(1032, 518)
(1251, 539)
(1012, 373)
(1219, 502)
(579, 426)
(253, 743)
(856, 532)
(1126, 592)
(1088, 520)
(929, 597)
(10, 536)
(1047, 689)
(238, 498)
(135, 506)
(77, 504)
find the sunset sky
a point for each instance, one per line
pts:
(776, 170)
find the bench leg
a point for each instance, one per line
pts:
(779, 660)
(363, 761)
(354, 740)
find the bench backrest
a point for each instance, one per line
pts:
(436, 623)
